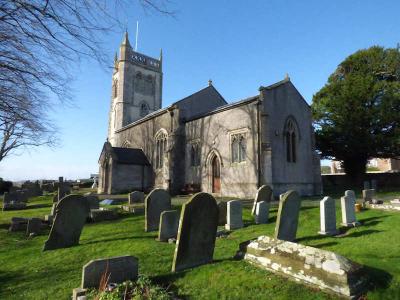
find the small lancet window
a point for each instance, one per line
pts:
(194, 155)
(161, 147)
(144, 109)
(290, 140)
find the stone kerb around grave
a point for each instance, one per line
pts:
(264, 193)
(197, 232)
(157, 201)
(320, 268)
(70, 217)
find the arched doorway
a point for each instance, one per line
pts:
(216, 175)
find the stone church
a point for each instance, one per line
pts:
(202, 142)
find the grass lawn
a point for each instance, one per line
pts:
(28, 273)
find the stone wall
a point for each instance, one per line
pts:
(303, 175)
(384, 180)
(214, 134)
(131, 177)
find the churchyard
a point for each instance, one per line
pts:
(27, 272)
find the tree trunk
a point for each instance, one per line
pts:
(355, 168)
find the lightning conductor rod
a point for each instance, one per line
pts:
(137, 34)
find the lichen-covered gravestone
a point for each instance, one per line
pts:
(169, 222)
(348, 211)
(197, 232)
(116, 269)
(328, 216)
(288, 216)
(222, 213)
(155, 203)
(264, 193)
(136, 197)
(71, 214)
(262, 212)
(234, 215)
(368, 195)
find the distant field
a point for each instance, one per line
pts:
(28, 273)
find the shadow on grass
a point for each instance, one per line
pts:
(34, 206)
(119, 239)
(325, 245)
(378, 279)
(363, 233)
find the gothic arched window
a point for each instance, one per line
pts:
(161, 147)
(144, 109)
(238, 148)
(291, 140)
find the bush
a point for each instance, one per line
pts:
(5, 186)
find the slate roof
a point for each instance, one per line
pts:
(131, 156)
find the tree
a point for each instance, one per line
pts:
(357, 113)
(39, 42)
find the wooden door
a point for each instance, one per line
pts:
(216, 175)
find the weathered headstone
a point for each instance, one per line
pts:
(222, 213)
(169, 222)
(102, 214)
(348, 210)
(264, 193)
(366, 185)
(234, 218)
(136, 197)
(155, 203)
(71, 214)
(368, 195)
(18, 224)
(34, 226)
(288, 216)
(328, 216)
(374, 184)
(117, 269)
(93, 201)
(197, 232)
(262, 212)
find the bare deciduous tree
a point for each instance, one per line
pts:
(39, 42)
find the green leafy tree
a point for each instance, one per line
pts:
(357, 112)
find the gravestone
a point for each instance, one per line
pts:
(18, 224)
(136, 197)
(93, 201)
(234, 215)
(328, 216)
(221, 213)
(368, 195)
(169, 222)
(34, 226)
(366, 185)
(155, 203)
(288, 216)
(374, 184)
(71, 214)
(264, 193)
(117, 269)
(348, 211)
(197, 232)
(262, 211)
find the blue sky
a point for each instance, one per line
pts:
(240, 45)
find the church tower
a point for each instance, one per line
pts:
(136, 88)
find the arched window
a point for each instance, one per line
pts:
(161, 147)
(238, 148)
(291, 140)
(194, 155)
(144, 109)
